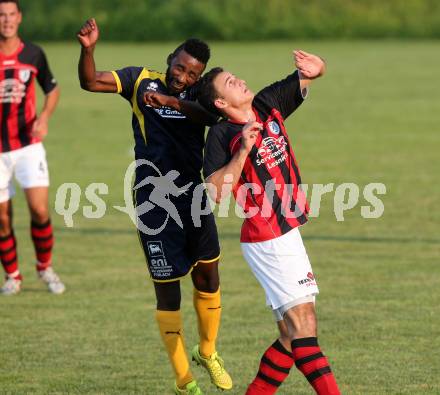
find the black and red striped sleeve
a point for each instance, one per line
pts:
(217, 153)
(45, 77)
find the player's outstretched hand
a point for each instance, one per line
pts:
(249, 135)
(310, 66)
(88, 34)
(156, 100)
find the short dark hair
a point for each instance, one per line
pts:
(207, 92)
(198, 49)
(16, 2)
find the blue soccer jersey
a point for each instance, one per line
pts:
(163, 136)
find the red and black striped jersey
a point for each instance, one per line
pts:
(268, 190)
(18, 72)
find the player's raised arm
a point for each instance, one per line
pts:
(310, 67)
(193, 110)
(90, 79)
(231, 172)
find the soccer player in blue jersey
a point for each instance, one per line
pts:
(173, 144)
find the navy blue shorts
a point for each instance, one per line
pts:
(172, 251)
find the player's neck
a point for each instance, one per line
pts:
(8, 46)
(245, 114)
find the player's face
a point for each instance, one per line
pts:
(183, 72)
(10, 19)
(232, 91)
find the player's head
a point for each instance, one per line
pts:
(10, 18)
(221, 91)
(186, 64)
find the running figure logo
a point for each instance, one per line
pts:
(163, 188)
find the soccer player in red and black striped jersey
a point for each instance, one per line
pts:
(22, 154)
(251, 154)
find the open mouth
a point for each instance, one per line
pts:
(177, 85)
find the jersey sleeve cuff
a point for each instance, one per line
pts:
(304, 91)
(118, 81)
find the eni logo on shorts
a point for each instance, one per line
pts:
(155, 248)
(159, 267)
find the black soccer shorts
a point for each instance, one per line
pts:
(172, 252)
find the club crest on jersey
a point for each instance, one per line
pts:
(152, 86)
(274, 127)
(24, 75)
(183, 95)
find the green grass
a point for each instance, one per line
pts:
(373, 118)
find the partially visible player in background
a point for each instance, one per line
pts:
(21, 150)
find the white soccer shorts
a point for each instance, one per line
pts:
(28, 165)
(283, 269)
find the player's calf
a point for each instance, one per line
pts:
(274, 368)
(8, 258)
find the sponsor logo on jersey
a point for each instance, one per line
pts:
(12, 90)
(167, 112)
(272, 151)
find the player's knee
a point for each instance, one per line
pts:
(306, 326)
(285, 335)
(209, 284)
(40, 215)
(212, 284)
(303, 321)
(206, 278)
(5, 224)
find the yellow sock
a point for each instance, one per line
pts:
(171, 331)
(208, 308)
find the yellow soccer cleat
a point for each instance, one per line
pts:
(215, 367)
(192, 388)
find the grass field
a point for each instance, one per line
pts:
(374, 118)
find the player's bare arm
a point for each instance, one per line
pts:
(193, 110)
(40, 127)
(309, 66)
(90, 79)
(220, 183)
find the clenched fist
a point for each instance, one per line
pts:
(88, 34)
